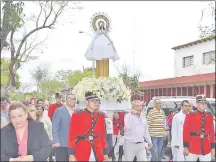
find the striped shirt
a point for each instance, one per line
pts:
(156, 122)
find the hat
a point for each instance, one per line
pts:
(90, 95)
(201, 98)
(58, 95)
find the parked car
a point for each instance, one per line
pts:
(170, 102)
(174, 102)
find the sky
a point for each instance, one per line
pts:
(143, 34)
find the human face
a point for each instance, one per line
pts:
(201, 106)
(18, 117)
(186, 107)
(158, 104)
(71, 100)
(92, 103)
(40, 103)
(46, 105)
(40, 110)
(33, 113)
(3, 104)
(138, 107)
(58, 100)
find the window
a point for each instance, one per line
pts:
(208, 57)
(188, 61)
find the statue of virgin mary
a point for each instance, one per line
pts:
(101, 47)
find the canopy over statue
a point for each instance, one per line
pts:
(101, 46)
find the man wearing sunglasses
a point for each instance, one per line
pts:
(87, 135)
(198, 133)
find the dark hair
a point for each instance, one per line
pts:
(39, 100)
(39, 106)
(69, 95)
(16, 105)
(4, 98)
(184, 101)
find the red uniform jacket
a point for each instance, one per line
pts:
(81, 122)
(118, 124)
(195, 144)
(52, 110)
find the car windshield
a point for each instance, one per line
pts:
(171, 104)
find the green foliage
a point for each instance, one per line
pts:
(208, 30)
(76, 76)
(49, 87)
(5, 73)
(13, 14)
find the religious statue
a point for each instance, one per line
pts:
(101, 48)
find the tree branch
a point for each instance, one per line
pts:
(47, 17)
(12, 46)
(39, 15)
(39, 28)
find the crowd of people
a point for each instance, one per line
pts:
(41, 131)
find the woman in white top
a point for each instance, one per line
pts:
(109, 131)
(45, 120)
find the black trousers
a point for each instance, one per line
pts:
(62, 154)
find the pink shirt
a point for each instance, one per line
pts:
(23, 142)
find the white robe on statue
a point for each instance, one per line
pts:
(101, 48)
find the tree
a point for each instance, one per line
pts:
(76, 76)
(39, 75)
(208, 30)
(5, 73)
(61, 75)
(13, 21)
(131, 81)
(49, 87)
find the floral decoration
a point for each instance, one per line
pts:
(106, 88)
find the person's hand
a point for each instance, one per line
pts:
(133, 112)
(72, 158)
(150, 145)
(176, 147)
(27, 158)
(213, 153)
(56, 145)
(165, 134)
(106, 158)
(186, 151)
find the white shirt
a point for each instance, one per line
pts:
(177, 129)
(69, 110)
(109, 126)
(136, 129)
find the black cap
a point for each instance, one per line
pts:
(90, 95)
(201, 98)
(58, 95)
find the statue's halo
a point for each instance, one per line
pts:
(100, 19)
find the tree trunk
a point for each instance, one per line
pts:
(5, 29)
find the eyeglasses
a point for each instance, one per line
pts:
(70, 98)
(187, 105)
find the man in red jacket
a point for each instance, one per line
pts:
(198, 133)
(53, 107)
(87, 135)
(118, 129)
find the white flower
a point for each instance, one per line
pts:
(107, 88)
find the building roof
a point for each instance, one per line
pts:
(179, 80)
(194, 43)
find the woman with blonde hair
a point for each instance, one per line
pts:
(24, 139)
